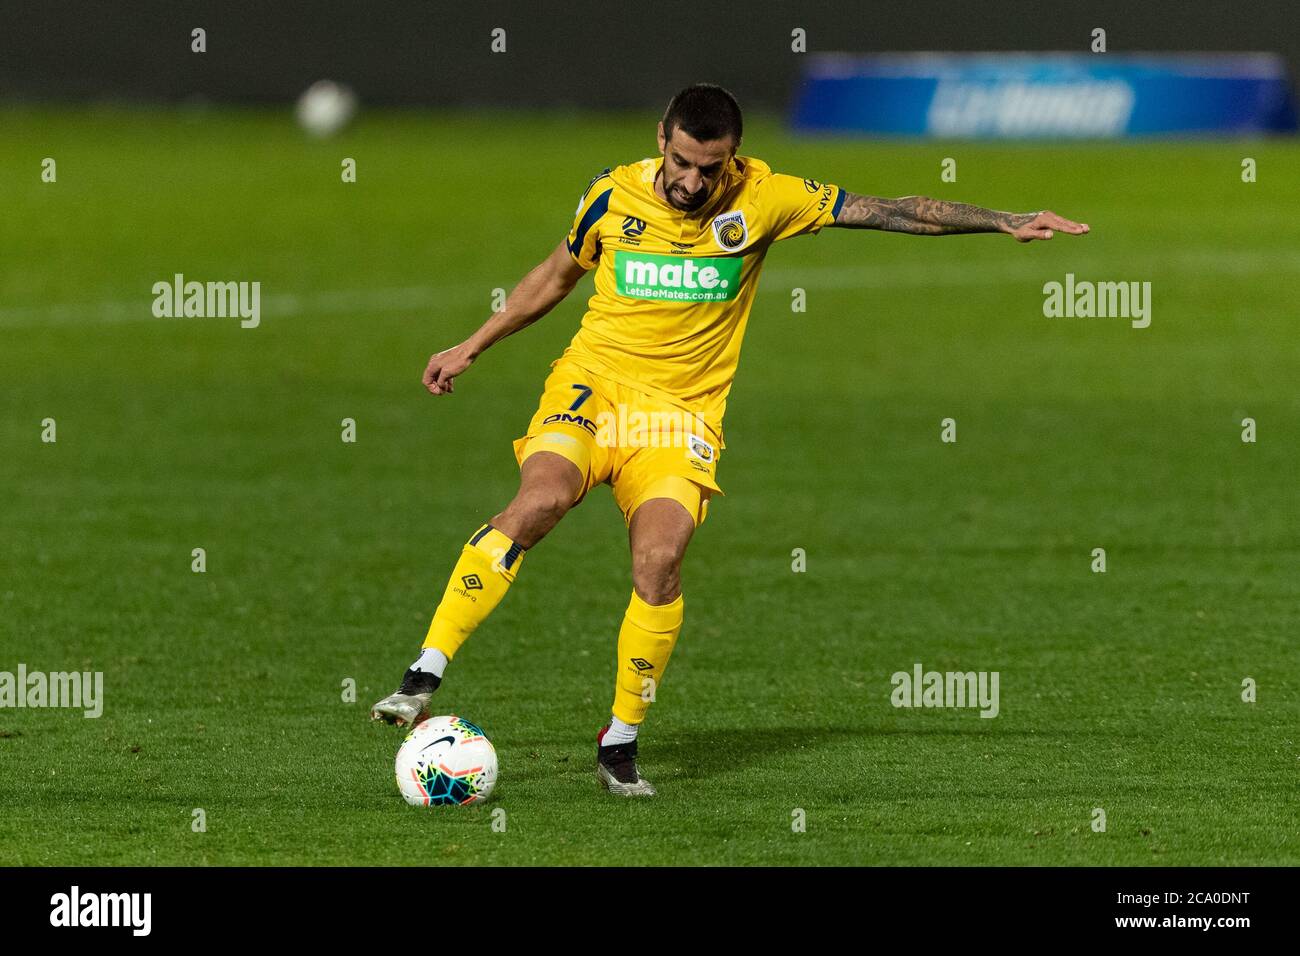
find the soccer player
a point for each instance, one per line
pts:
(677, 243)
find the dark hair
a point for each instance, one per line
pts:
(704, 111)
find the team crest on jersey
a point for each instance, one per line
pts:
(731, 230)
(699, 448)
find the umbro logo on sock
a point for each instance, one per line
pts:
(641, 664)
(471, 582)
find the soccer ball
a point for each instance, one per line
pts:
(325, 108)
(446, 760)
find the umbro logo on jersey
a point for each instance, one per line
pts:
(633, 226)
(731, 230)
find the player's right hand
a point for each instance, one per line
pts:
(1045, 224)
(444, 367)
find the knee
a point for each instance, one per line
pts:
(546, 505)
(656, 573)
(534, 512)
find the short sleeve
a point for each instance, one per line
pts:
(584, 236)
(796, 207)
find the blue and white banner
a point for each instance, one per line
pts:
(1054, 95)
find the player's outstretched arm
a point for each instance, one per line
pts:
(535, 295)
(922, 216)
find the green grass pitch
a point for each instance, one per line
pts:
(223, 690)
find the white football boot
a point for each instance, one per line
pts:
(409, 704)
(616, 769)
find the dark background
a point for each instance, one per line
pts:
(582, 54)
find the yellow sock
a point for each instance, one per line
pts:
(487, 565)
(645, 642)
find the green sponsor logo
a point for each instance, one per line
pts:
(643, 275)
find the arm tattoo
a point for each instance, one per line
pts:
(924, 217)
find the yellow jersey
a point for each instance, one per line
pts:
(674, 289)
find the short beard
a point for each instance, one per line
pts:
(668, 192)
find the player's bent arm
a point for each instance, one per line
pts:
(922, 216)
(535, 295)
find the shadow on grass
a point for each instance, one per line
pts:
(715, 752)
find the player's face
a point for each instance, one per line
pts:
(692, 168)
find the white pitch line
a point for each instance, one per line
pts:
(914, 273)
(280, 305)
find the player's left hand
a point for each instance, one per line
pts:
(443, 368)
(1046, 224)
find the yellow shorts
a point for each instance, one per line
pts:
(642, 446)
